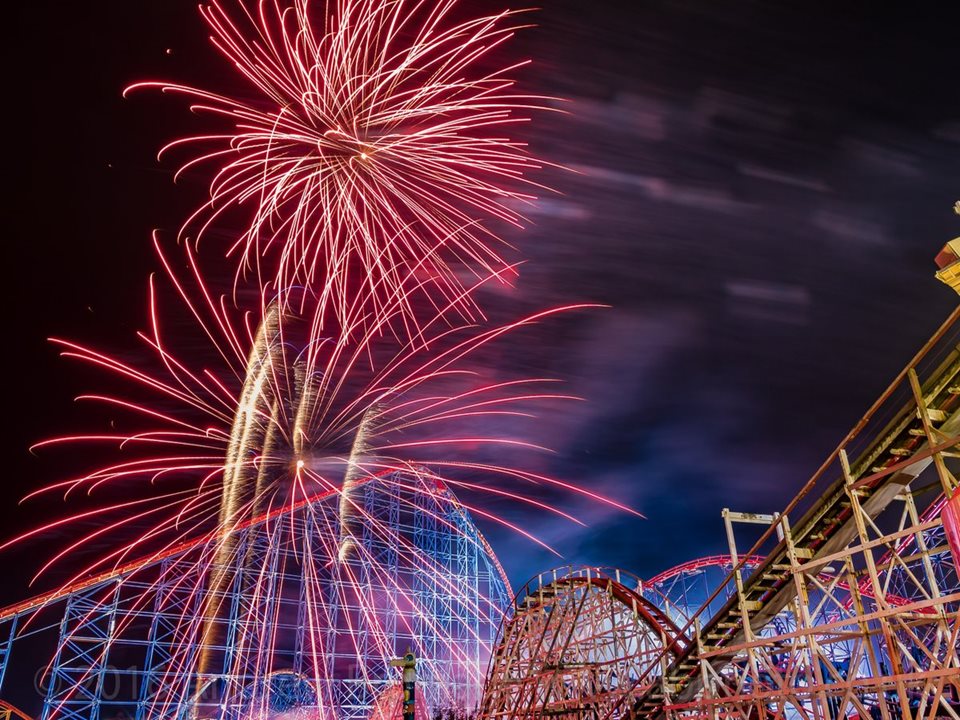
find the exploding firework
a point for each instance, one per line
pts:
(294, 416)
(373, 162)
(291, 421)
(369, 176)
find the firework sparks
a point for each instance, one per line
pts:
(295, 416)
(295, 419)
(374, 158)
(370, 175)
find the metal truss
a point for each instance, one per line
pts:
(578, 639)
(295, 623)
(916, 555)
(854, 610)
(848, 605)
(843, 647)
(683, 590)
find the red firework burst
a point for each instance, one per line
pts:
(374, 153)
(285, 414)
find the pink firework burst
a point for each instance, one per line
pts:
(282, 415)
(374, 152)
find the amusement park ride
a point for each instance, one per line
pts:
(848, 605)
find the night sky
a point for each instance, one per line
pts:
(756, 189)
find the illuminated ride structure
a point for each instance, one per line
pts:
(579, 640)
(142, 643)
(681, 591)
(848, 604)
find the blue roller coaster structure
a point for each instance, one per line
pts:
(298, 626)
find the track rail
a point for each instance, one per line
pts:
(891, 460)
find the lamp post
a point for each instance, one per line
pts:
(409, 664)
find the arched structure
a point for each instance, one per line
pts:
(683, 590)
(298, 628)
(701, 587)
(853, 610)
(11, 712)
(579, 639)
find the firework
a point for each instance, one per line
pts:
(296, 415)
(372, 162)
(267, 432)
(294, 418)
(369, 174)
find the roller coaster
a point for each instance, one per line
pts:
(848, 605)
(137, 642)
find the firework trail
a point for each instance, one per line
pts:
(294, 419)
(296, 414)
(369, 175)
(373, 159)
